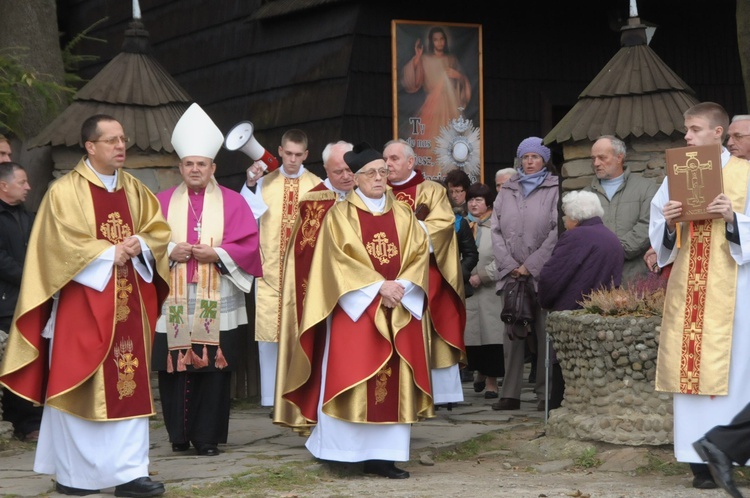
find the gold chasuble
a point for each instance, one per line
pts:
(378, 367)
(99, 369)
(696, 332)
(447, 309)
(281, 195)
(312, 208)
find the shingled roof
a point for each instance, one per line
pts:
(135, 89)
(636, 93)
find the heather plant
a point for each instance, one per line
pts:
(642, 296)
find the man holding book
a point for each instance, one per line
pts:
(701, 351)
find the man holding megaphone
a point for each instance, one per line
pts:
(274, 200)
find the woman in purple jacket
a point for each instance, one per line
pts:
(524, 231)
(587, 256)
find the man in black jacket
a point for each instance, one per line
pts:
(15, 227)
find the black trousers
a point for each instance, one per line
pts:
(196, 406)
(734, 439)
(22, 413)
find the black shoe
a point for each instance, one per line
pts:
(70, 491)
(719, 464)
(140, 488)
(479, 386)
(506, 404)
(207, 450)
(180, 446)
(704, 482)
(385, 468)
(490, 395)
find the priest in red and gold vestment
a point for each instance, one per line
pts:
(274, 199)
(447, 310)
(363, 378)
(313, 207)
(93, 284)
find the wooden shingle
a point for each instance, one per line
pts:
(635, 94)
(133, 88)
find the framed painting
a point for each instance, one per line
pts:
(437, 95)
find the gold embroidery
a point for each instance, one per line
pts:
(122, 290)
(289, 213)
(381, 380)
(407, 199)
(126, 365)
(311, 223)
(115, 230)
(381, 249)
(695, 299)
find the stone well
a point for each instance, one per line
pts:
(609, 366)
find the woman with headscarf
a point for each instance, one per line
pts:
(524, 232)
(483, 335)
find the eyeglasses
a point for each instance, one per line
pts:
(737, 136)
(370, 173)
(113, 140)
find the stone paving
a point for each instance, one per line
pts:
(254, 439)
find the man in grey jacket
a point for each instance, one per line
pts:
(626, 199)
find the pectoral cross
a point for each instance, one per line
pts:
(198, 229)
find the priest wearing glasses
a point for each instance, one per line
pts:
(213, 259)
(360, 381)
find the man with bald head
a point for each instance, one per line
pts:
(738, 136)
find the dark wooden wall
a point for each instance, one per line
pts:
(327, 70)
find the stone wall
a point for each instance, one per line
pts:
(609, 366)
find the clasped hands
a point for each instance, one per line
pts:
(391, 293)
(126, 250)
(720, 205)
(202, 253)
(521, 270)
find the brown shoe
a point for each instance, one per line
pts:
(507, 404)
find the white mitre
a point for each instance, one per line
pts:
(195, 134)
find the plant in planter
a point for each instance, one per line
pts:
(607, 352)
(642, 297)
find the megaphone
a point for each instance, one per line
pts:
(241, 138)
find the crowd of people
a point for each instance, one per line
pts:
(377, 293)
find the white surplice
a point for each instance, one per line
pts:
(694, 415)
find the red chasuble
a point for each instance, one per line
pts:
(361, 352)
(447, 309)
(116, 335)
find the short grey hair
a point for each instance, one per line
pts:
(582, 205)
(408, 149)
(326, 155)
(618, 146)
(741, 117)
(511, 172)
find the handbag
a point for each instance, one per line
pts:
(519, 307)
